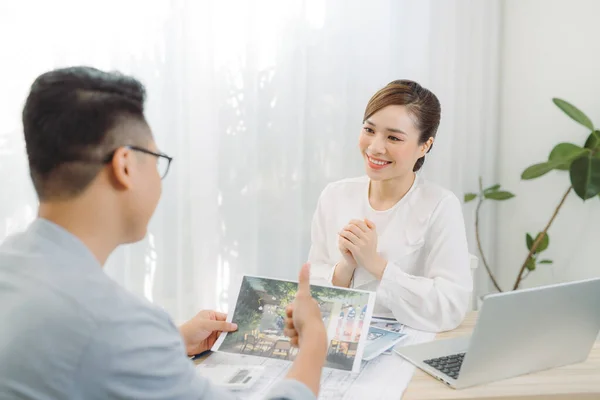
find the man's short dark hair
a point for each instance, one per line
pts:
(69, 119)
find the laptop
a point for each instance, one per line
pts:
(516, 333)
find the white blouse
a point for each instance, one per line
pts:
(427, 281)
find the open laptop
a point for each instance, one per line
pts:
(517, 333)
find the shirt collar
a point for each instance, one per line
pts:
(63, 239)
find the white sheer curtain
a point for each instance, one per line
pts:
(260, 104)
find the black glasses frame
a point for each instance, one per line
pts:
(110, 156)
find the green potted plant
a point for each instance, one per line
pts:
(583, 166)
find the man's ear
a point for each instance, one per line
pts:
(425, 147)
(122, 163)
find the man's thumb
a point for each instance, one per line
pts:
(304, 281)
(222, 326)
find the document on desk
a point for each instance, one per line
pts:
(384, 377)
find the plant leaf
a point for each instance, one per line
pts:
(530, 264)
(585, 176)
(529, 241)
(543, 244)
(564, 153)
(546, 262)
(492, 189)
(537, 170)
(469, 197)
(498, 195)
(593, 140)
(573, 112)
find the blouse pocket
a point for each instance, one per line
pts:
(406, 250)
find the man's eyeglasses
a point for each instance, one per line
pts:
(163, 161)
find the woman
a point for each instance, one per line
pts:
(391, 231)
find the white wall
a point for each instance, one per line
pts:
(550, 48)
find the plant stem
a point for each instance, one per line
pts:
(540, 237)
(485, 264)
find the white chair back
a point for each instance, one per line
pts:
(473, 263)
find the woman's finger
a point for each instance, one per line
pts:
(360, 224)
(348, 244)
(351, 237)
(359, 233)
(370, 224)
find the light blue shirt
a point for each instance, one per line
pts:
(67, 331)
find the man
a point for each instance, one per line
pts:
(68, 331)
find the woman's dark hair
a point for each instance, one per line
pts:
(422, 105)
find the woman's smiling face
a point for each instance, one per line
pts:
(389, 143)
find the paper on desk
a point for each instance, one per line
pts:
(388, 324)
(385, 377)
(379, 341)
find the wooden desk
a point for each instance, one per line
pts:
(577, 381)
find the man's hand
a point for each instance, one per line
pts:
(360, 238)
(201, 332)
(306, 330)
(303, 316)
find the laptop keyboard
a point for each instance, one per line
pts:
(449, 365)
